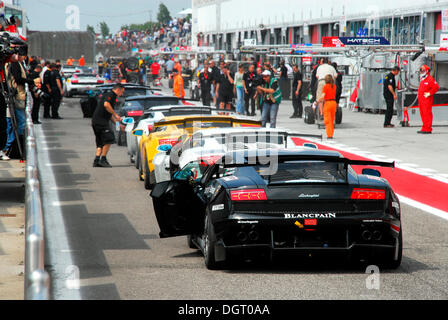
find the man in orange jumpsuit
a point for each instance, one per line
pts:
(428, 87)
(178, 85)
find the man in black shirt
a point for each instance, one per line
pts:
(283, 71)
(215, 76)
(56, 91)
(205, 82)
(390, 96)
(225, 88)
(297, 93)
(249, 83)
(101, 125)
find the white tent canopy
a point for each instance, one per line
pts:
(187, 11)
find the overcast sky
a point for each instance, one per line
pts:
(50, 15)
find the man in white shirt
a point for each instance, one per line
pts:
(322, 71)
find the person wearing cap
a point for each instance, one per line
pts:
(271, 97)
(390, 96)
(426, 91)
(178, 84)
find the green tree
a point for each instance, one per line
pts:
(164, 14)
(91, 29)
(105, 31)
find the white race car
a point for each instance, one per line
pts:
(210, 145)
(153, 115)
(80, 83)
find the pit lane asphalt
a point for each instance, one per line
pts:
(112, 237)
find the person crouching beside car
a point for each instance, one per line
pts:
(102, 116)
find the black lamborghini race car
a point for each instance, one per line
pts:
(272, 202)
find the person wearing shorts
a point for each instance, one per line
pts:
(103, 115)
(225, 88)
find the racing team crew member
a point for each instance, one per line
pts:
(249, 82)
(330, 106)
(224, 88)
(205, 82)
(426, 91)
(390, 96)
(178, 84)
(102, 116)
(155, 69)
(56, 91)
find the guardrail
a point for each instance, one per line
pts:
(37, 280)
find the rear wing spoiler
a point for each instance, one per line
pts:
(208, 119)
(286, 134)
(181, 109)
(255, 160)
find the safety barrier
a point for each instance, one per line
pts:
(37, 280)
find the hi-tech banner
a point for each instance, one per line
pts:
(364, 41)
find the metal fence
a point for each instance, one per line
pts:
(37, 281)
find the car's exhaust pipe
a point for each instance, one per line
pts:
(242, 236)
(377, 235)
(254, 236)
(366, 235)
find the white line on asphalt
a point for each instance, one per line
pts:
(424, 207)
(411, 168)
(67, 203)
(54, 222)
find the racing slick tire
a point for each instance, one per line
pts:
(209, 246)
(133, 78)
(309, 115)
(147, 179)
(137, 159)
(140, 168)
(338, 116)
(132, 63)
(120, 141)
(390, 262)
(190, 242)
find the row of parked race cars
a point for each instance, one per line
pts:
(241, 192)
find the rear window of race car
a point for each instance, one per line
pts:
(148, 104)
(224, 139)
(304, 172)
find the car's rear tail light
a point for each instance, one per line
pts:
(150, 127)
(248, 195)
(75, 81)
(210, 159)
(78, 71)
(168, 141)
(100, 81)
(368, 194)
(136, 113)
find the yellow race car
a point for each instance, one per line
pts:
(171, 129)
